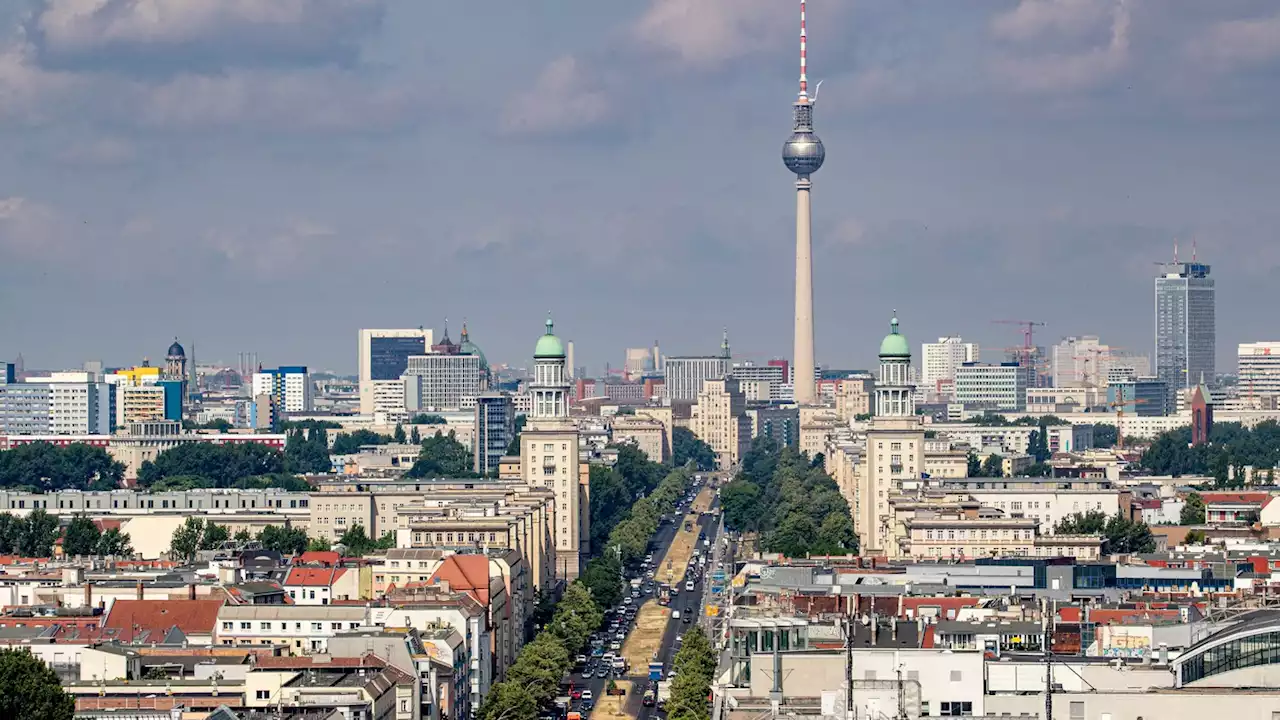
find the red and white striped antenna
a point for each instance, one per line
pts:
(804, 60)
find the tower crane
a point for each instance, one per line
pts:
(1119, 406)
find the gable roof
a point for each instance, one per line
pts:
(314, 577)
(1245, 498)
(327, 558)
(466, 573)
(152, 620)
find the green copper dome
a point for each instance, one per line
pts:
(894, 344)
(549, 346)
(466, 347)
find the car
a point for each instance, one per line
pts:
(689, 610)
(620, 636)
(686, 619)
(576, 694)
(580, 660)
(587, 696)
(649, 700)
(587, 705)
(602, 673)
(688, 586)
(615, 645)
(627, 600)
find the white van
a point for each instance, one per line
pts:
(675, 614)
(688, 586)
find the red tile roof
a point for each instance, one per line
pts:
(1246, 498)
(466, 573)
(326, 558)
(314, 577)
(149, 620)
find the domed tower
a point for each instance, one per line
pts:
(175, 366)
(894, 390)
(803, 155)
(466, 347)
(550, 386)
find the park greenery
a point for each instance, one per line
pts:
(82, 537)
(1122, 534)
(357, 543)
(791, 503)
(44, 467)
(350, 443)
(694, 667)
(1231, 448)
(30, 689)
(196, 534)
(210, 465)
(308, 452)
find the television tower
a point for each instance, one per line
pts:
(803, 155)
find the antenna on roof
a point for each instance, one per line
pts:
(804, 59)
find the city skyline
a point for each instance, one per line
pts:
(992, 158)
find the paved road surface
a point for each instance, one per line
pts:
(639, 675)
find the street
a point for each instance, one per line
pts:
(689, 603)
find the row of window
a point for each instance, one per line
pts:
(1018, 534)
(267, 625)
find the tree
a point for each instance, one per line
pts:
(513, 448)
(350, 444)
(993, 466)
(218, 466)
(307, 454)
(687, 447)
(695, 665)
(443, 456)
(31, 690)
(399, 435)
(286, 541)
(428, 419)
(415, 437)
(1037, 470)
(836, 536)
(793, 536)
(974, 465)
(358, 543)
(115, 543)
(740, 500)
(319, 545)
(44, 467)
(1038, 444)
(1104, 435)
(194, 535)
(214, 535)
(1195, 537)
(603, 578)
(1192, 510)
(39, 530)
(10, 533)
(539, 667)
(243, 536)
(1122, 535)
(81, 537)
(508, 701)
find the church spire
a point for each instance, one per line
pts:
(724, 344)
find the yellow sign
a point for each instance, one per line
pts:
(713, 611)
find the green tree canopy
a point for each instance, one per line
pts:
(1121, 534)
(307, 453)
(39, 531)
(221, 466)
(44, 467)
(193, 535)
(1192, 510)
(993, 466)
(428, 419)
(350, 443)
(357, 542)
(286, 541)
(30, 690)
(81, 537)
(687, 447)
(443, 456)
(114, 542)
(1104, 435)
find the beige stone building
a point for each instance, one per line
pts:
(817, 425)
(854, 397)
(647, 433)
(720, 420)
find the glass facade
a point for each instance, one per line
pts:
(1185, 325)
(389, 356)
(1246, 652)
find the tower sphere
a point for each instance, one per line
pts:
(803, 153)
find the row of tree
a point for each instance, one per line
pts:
(43, 467)
(689, 448)
(83, 537)
(792, 503)
(443, 456)
(30, 536)
(1231, 448)
(694, 666)
(533, 680)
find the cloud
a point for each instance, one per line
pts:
(27, 90)
(1033, 18)
(709, 33)
(322, 99)
(1239, 43)
(1068, 71)
(235, 31)
(31, 230)
(561, 100)
(101, 152)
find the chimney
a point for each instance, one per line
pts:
(140, 590)
(191, 591)
(88, 594)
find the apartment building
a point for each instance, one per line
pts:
(720, 420)
(1047, 501)
(1000, 387)
(300, 629)
(645, 433)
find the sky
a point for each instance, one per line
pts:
(272, 176)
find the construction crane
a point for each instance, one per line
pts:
(1092, 354)
(1119, 406)
(1028, 350)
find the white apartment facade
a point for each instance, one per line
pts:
(1258, 366)
(999, 387)
(290, 386)
(442, 382)
(684, 376)
(938, 361)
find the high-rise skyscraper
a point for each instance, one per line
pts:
(1185, 325)
(803, 155)
(382, 357)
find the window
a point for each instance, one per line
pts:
(227, 625)
(955, 676)
(1077, 710)
(959, 709)
(895, 446)
(316, 627)
(264, 625)
(262, 694)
